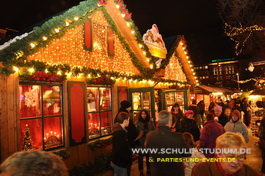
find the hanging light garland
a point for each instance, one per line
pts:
(233, 32)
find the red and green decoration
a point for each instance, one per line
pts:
(102, 80)
(41, 76)
(99, 144)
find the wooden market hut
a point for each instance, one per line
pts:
(61, 84)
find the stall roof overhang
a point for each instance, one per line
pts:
(203, 89)
(258, 92)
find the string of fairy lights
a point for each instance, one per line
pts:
(69, 49)
(232, 32)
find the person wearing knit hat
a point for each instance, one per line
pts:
(188, 124)
(236, 125)
(126, 106)
(132, 132)
(188, 112)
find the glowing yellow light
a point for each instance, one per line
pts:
(128, 24)
(191, 65)
(217, 93)
(44, 38)
(181, 43)
(189, 61)
(124, 79)
(187, 57)
(31, 70)
(132, 32)
(76, 18)
(197, 81)
(32, 45)
(67, 23)
(15, 69)
(151, 66)
(59, 73)
(140, 45)
(183, 48)
(69, 74)
(147, 59)
(89, 76)
(185, 52)
(197, 84)
(117, 6)
(144, 53)
(46, 71)
(122, 15)
(193, 73)
(56, 30)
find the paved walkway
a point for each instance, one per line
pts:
(254, 159)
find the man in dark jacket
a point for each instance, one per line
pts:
(165, 163)
(121, 156)
(132, 132)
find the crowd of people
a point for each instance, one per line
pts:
(222, 129)
(195, 129)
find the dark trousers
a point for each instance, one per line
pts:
(140, 161)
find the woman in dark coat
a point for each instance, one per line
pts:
(188, 124)
(143, 125)
(177, 116)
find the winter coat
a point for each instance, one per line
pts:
(208, 136)
(132, 132)
(238, 127)
(163, 138)
(189, 125)
(121, 154)
(140, 127)
(223, 119)
(176, 120)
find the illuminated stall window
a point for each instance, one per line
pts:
(99, 111)
(41, 118)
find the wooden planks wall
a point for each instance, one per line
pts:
(9, 115)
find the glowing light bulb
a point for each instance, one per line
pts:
(32, 45)
(44, 38)
(31, 70)
(15, 69)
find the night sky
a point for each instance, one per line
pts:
(196, 20)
